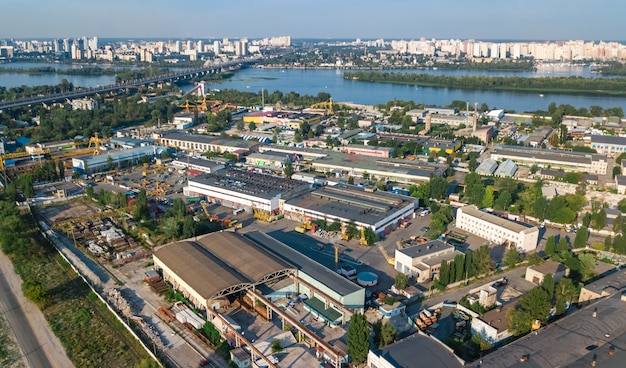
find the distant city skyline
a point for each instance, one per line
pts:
(396, 19)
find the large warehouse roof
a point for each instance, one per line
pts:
(218, 264)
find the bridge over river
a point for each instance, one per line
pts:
(123, 85)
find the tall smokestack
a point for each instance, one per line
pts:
(428, 119)
(475, 121)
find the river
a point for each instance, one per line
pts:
(314, 81)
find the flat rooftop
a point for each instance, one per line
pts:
(251, 183)
(369, 163)
(571, 342)
(352, 202)
(322, 274)
(543, 154)
(425, 249)
(419, 350)
(496, 220)
(208, 139)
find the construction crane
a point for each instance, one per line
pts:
(93, 148)
(363, 239)
(195, 105)
(326, 105)
(17, 155)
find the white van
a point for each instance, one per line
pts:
(425, 212)
(238, 211)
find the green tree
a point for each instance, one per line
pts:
(370, 236)
(171, 227)
(89, 191)
(211, 333)
(388, 334)
(598, 220)
(536, 302)
(401, 281)
(580, 241)
(550, 246)
(61, 168)
(616, 171)
(472, 164)
(189, 227)
(470, 270)
(178, 208)
(288, 170)
(587, 265)
(252, 126)
(297, 137)
(240, 125)
(621, 205)
(480, 342)
(276, 346)
(488, 198)
(444, 273)
(36, 293)
(351, 229)
(482, 260)
(358, 338)
(548, 285)
(503, 201)
(540, 206)
(512, 258)
(564, 293)
(438, 187)
(562, 245)
(110, 165)
(459, 265)
(141, 206)
(351, 180)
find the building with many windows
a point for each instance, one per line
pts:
(245, 190)
(497, 229)
(423, 261)
(206, 143)
(608, 145)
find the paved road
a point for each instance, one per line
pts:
(35, 339)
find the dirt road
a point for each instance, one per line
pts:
(38, 344)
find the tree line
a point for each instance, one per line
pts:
(566, 85)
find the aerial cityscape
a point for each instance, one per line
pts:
(329, 184)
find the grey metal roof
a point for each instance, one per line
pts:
(572, 341)
(419, 351)
(506, 168)
(487, 166)
(353, 203)
(208, 139)
(425, 249)
(596, 138)
(544, 154)
(323, 275)
(260, 185)
(219, 261)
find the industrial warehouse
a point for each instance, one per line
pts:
(124, 158)
(245, 190)
(380, 211)
(567, 160)
(211, 275)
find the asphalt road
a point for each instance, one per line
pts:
(14, 312)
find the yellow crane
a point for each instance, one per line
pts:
(326, 105)
(363, 239)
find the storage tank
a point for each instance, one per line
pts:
(367, 279)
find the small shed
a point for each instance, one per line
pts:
(151, 276)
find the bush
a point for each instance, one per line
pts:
(276, 347)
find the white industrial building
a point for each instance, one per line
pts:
(423, 261)
(555, 159)
(497, 229)
(124, 158)
(244, 190)
(380, 211)
(608, 145)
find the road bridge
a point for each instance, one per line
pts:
(173, 76)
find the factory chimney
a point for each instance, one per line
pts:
(475, 121)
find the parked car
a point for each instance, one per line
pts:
(425, 229)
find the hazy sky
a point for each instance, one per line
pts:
(406, 19)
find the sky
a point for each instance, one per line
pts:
(345, 19)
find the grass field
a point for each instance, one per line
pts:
(90, 333)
